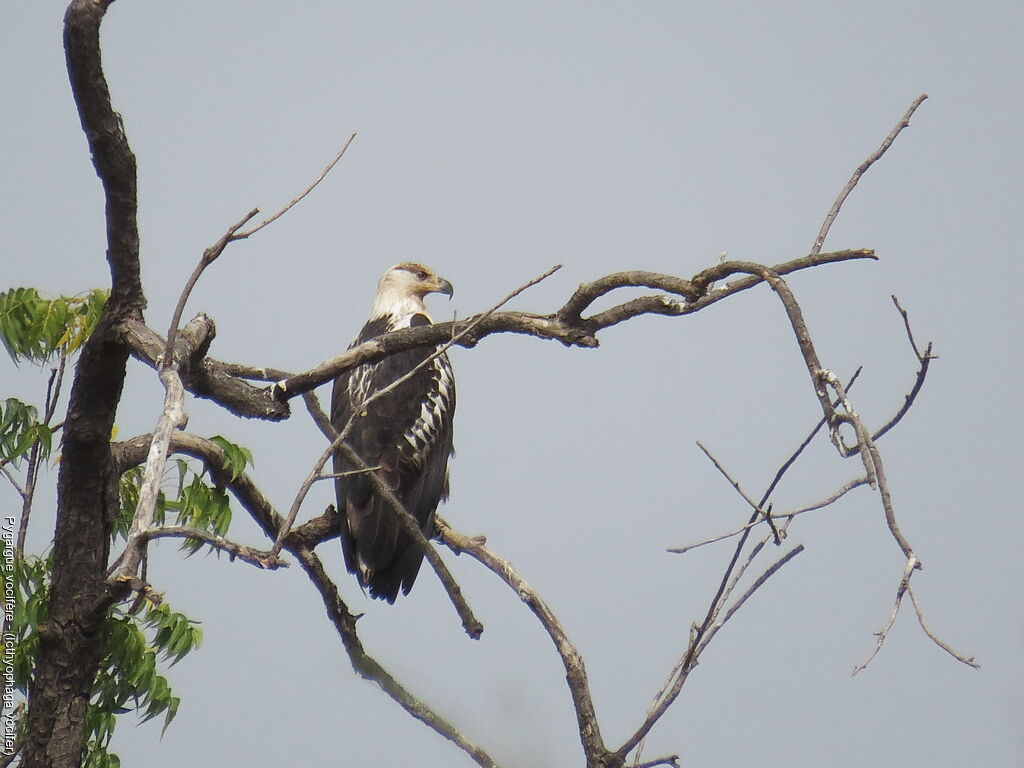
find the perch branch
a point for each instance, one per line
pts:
(570, 332)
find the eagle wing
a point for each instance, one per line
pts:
(407, 435)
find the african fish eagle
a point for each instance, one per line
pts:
(406, 434)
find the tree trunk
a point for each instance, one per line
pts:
(87, 491)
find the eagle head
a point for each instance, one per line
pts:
(402, 288)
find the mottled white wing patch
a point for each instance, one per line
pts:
(422, 435)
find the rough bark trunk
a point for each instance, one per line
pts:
(87, 496)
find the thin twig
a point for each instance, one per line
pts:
(968, 660)
(883, 633)
(923, 360)
(769, 572)
(306, 191)
(670, 690)
(335, 475)
(209, 256)
(758, 510)
(821, 504)
(256, 557)
(861, 169)
(668, 694)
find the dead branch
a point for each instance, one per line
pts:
(758, 510)
(212, 253)
(256, 557)
(299, 197)
(923, 360)
(883, 633)
(784, 516)
(861, 170)
(575, 671)
(699, 639)
(571, 332)
(171, 419)
(368, 668)
(968, 660)
(209, 256)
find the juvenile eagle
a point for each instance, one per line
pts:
(407, 433)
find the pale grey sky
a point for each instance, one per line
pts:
(497, 140)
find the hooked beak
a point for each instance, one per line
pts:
(443, 286)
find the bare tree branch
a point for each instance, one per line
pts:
(667, 694)
(171, 419)
(883, 633)
(560, 326)
(968, 660)
(368, 668)
(575, 671)
(299, 197)
(209, 256)
(861, 170)
(699, 639)
(758, 510)
(813, 507)
(923, 359)
(256, 557)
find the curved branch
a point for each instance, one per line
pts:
(368, 668)
(575, 670)
(561, 326)
(861, 170)
(256, 557)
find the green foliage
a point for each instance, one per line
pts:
(140, 639)
(201, 506)
(20, 429)
(195, 503)
(236, 457)
(35, 328)
(135, 639)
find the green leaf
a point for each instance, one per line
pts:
(236, 457)
(36, 328)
